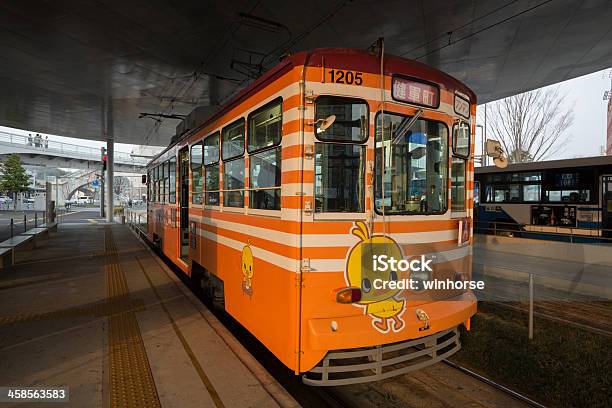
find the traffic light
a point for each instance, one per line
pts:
(104, 158)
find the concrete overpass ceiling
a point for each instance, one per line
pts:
(61, 62)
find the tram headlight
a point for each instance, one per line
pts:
(347, 295)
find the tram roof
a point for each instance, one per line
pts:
(549, 164)
(342, 58)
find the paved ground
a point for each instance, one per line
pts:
(93, 310)
(583, 273)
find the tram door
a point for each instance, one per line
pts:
(184, 202)
(606, 201)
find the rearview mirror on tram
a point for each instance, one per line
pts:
(323, 124)
(496, 151)
(144, 179)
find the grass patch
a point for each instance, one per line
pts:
(561, 366)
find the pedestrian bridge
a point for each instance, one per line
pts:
(51, 153)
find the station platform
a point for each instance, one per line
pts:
(94, 310)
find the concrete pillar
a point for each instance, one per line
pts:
(110, 148)
(102, 194)
(110, 162)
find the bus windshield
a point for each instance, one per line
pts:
(415, 165)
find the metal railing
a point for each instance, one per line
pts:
(21, 222)
(571, 234)
(60, 148)
(136, 218)
(538, 291)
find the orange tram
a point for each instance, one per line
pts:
(271, 203)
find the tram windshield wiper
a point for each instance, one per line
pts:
(405, 126)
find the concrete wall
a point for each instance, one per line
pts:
(582, 269)
(589, 253)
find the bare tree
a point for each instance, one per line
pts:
(531, 126)
(122, 185)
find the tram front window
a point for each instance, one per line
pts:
(415, 165)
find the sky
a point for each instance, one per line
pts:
(587, 134)
(585, 137)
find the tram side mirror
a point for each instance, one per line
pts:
(323, 124)
(496, 151)
(144, 179)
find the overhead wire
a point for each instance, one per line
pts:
(198, 72)
(461, 27)
(287, 45)
(490, 26)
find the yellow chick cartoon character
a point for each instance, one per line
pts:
(381, 304)
(247, 269)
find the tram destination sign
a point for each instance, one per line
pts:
(416, 92)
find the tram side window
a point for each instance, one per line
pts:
(233, 183)
(167, 181)
(172, 180)
(458, 177)
(153, 185)
(351, 119)
(196, 173)
(339, 177)
(157, 168)
(149, 183)
(264, 139)
(164, 182)
(232, 152)
(233, 140)
(415, 165)
(461, 140)
(340, 159)
(211, 169)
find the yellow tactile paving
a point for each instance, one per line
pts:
(131, 382)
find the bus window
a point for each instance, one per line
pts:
(416, 165)
(458, 168)
(531, 192)
(196, 173)
(211, 169)
(264, 132)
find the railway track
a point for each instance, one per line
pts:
(495, 385)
